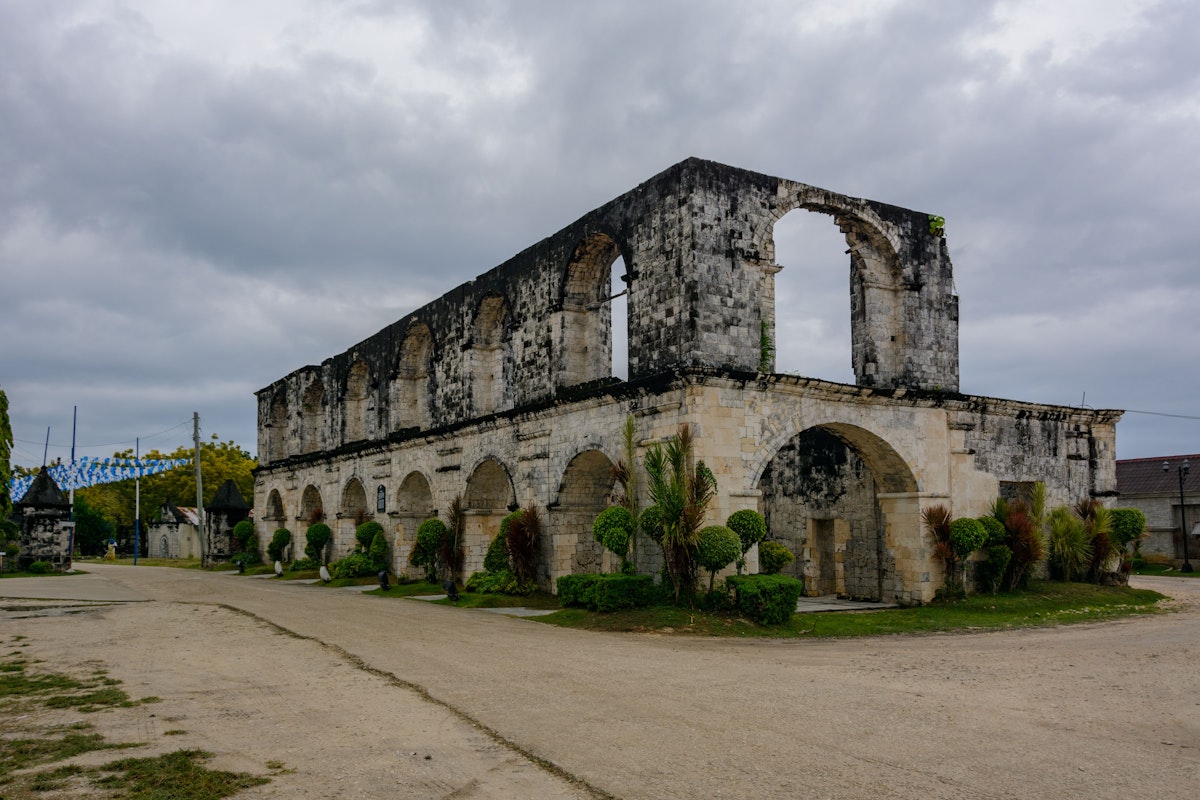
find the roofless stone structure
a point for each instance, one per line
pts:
(502, 391)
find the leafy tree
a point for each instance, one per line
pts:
(378, 550)
(365, 534)
(92, 530)
(614, 528)
(682, 488)
(316, 539)
(717, 546)
(6, 472)
(751, 529)
(430, 535)
(242, 533)
(279, 543)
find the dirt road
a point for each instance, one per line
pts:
(344, 689)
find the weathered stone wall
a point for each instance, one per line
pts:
(46, 536)
(501, 392)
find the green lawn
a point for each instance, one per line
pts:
(1166, 569)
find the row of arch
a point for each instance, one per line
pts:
(830, 493)
(582, 329)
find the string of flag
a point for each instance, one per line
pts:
(88, 471)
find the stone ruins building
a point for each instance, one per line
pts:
(47, 533)
(502, 391)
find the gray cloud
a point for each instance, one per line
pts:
(197, 202)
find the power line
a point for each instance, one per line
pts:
(1160, 414)
(107, 444)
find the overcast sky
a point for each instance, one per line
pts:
(198, 198)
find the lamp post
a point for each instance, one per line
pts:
(1183, 471)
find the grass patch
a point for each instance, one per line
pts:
(469, 599)
(127, 561)
(1044, 603)
(23, 753)
(1164, 569)
(180, 775)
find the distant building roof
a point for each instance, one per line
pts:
(228, 499)
(44, 493)
(173, 513)
(1146, 475)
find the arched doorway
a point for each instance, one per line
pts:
(414, 505)
(353, 513)
(488, 499)
(274, 510)
(839, 497)
(593, 332)
(585, 491)
(410, 389)
(489, 357)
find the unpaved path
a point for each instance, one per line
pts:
(513, 708)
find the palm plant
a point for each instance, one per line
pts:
(1070, 544)
(682, 491)
(625, 473)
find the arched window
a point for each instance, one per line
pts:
(489, 356)
(593, 333)
(354, 408)
(410, 389)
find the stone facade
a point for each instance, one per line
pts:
(1145, 485)
(502, 391)
(175, 534)
(47, 533)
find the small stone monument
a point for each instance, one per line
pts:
(47, 533)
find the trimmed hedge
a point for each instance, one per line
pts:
(766, 599)
(499, 582)
(496, 560)
(613, 528)
(365, 534)
(606, 592)
(773, 556)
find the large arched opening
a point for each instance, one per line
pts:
(352, 513)
(488, 499)
(277, 428)
(845, 503)
(354, 405)
(586, 490)
(312, 417)
(414, 505)
(489, 361)
(593, 335)
(410, 389)
(812, 298)
(274, 509)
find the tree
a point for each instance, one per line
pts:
(751, 529)
(613, 528)
(6, 473)
(92, 530)
(316, 538)
(682, 489)
(717, 546)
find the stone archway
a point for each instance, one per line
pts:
(584, 328)
(353, 511)
(277, 428)
(586, 490)
(410, 388)
(414, 505)
(312, 417)
(489, 356)
(489, 497)
(354, 402)
(274, 510)
(846, 504)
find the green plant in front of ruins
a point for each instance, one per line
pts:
(428, 545)
(613, 528)
(496, 559)
(247, 542)
(1128, 528)
(717, 546)
(316, 539)
(378, 550)
(523, 538)
(452, 553)
(1022, 535)
(766, 348)
(937, 520)
(279, 543)
(773, 557)
(966, 536)
(364, 534)
(751, 529)
(1098, 524)
(6, 441)
(681, 487)
(1070, 545)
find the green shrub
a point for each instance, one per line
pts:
(613, 528)
(772, 557)
(304, 564)
(991, 571)
(41, 568)
(364, 534)
(499, 582)
(611, 592)
(279, 543)
(966, 536)
(430, 535)
(523, 537)
(508, 520)
(651, 523)
(1128, 524)
(242, 533)
(750, 527)
(716, 548)
(994, 529)
(378, 550)
(766, 599)
(496, 560)
(1070, 545)
(317, 539)
(355, 565)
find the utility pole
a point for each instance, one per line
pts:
(199, 486)
(137, 498)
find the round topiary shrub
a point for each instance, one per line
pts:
(378, 551)
(717, 546)
(994, 529)
(365, 534)
(750, 527)
(317, 537)
(430, 535)
(651, 523)
(773, 557)
(279, 543)
(613, 528)
(966, 536)
(496, 559)
(242, 533)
